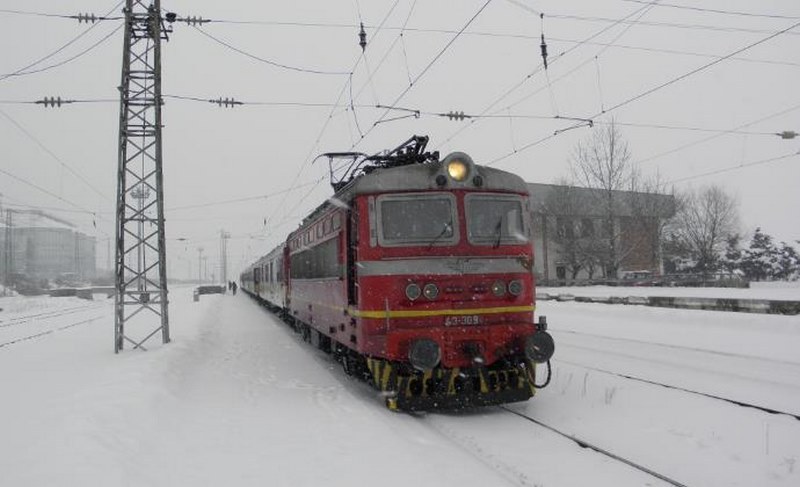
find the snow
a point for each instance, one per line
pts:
(238, 399)
(705, 441)
(789, 291)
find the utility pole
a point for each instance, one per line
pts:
(141, 288)
(223, 255)
(9, 251)
(200, 264)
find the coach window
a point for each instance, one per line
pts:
(494, 219)
(417, 219)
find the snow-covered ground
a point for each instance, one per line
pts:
(238, 399)
(788, 291)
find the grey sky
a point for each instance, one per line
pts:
(215, 154)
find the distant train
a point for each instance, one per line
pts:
(417, 276)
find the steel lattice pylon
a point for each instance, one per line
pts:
(140, 265)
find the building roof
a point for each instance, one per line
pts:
(556, 199)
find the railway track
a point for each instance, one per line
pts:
(21, 320)
(49, 331)
(676, 347)
(586, 444)
(755, 372)
(683, 389)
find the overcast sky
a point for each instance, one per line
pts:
(214, 154)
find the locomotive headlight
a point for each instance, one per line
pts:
(458, 169)
(424, 354)
(539, 347)
(413, 291)
(498, 288)
(430, 291)
(515, 287)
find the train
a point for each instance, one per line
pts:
(417, 276)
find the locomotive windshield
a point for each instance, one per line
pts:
(494, 219)
(410, 219)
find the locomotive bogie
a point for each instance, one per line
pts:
(441, 388)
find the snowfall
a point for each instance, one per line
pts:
(238, 399)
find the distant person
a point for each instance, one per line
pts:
(234, 286)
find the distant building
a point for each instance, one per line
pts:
(571, 232)
(39, 253)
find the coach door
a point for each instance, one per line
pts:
(351, 229)
(257, 279)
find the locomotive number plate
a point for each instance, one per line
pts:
(462, 320)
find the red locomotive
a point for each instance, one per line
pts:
(417, 276)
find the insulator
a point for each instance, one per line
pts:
(52, 101)
(543, 45)
(227, 102)
(362, 36)
(88, 18)
(192, 20)
(456, 115)
(788, 134)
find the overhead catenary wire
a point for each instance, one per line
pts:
(70, 59)
(267, 61)
(307, 159)
(717, 11)
(737, 129)
(371, 73)
(583, 18)
(737, 167)
(662, 86)
(53, 53)
(43, 190)
(638, 14)
(701, 68)
(62, 16)
(387, 52)
(425, 70)
(239, 200)
(539, 68)
(348, 25)
(52, 154)
(675, 25)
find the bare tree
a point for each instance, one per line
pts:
(602, 162)
(653, 209)
(706, 219)
(562, 208)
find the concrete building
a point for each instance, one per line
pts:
(41, 253)
(573, 233)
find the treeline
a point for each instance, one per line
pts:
(607, 211)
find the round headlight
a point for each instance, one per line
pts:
(431, 291)
(515, 287)
(413, 291)
(457, 169)
(424, 354)
(499, 288)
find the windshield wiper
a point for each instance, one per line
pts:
(498, 231)
(447, 228)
